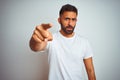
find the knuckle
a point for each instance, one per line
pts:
(34, 36)
(38, 27)
(35, 32)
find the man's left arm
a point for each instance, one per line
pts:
(90, 68)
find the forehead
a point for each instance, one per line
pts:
(69, 14)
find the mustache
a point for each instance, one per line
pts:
(69, 26)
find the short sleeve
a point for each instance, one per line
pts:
(88, 50)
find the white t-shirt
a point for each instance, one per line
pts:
(65, 57)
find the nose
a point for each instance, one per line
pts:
(70, 22)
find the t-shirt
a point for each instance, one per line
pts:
(65, 57)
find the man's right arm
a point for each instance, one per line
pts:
(40, 37)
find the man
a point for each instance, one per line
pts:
(67, 51)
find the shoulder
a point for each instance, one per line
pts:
(81, 38)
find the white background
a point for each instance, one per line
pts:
(98, 20)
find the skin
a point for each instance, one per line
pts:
(68, 19)
(41, 36)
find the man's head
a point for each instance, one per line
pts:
(67, 18)
(68, 7)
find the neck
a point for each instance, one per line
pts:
(67, 35)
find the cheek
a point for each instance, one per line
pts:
(64, 23)
(74, 23)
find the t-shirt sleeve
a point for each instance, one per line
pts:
(88, 50)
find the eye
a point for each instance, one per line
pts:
(74, 19)
(67, 19)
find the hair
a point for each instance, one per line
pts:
(68, 7)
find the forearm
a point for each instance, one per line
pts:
(91, 75)
(90, 69)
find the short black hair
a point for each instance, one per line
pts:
(68, 7)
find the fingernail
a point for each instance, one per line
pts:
(45, 40)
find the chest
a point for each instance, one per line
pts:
(69, 49)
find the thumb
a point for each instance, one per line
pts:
(49, 37)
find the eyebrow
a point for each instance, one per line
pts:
(70, 18)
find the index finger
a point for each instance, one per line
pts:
(46, 26)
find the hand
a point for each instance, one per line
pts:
(42, 34)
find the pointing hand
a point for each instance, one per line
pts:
(41, 33)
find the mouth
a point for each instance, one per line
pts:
(69, 28)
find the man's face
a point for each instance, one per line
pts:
(68, 21)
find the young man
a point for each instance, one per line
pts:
(67, 51)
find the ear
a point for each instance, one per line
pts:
(59, 19)
(76, 19)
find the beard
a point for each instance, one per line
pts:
(68, 29)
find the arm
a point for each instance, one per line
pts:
(90, 68)
(40, 37)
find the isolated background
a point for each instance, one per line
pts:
(98, 20)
